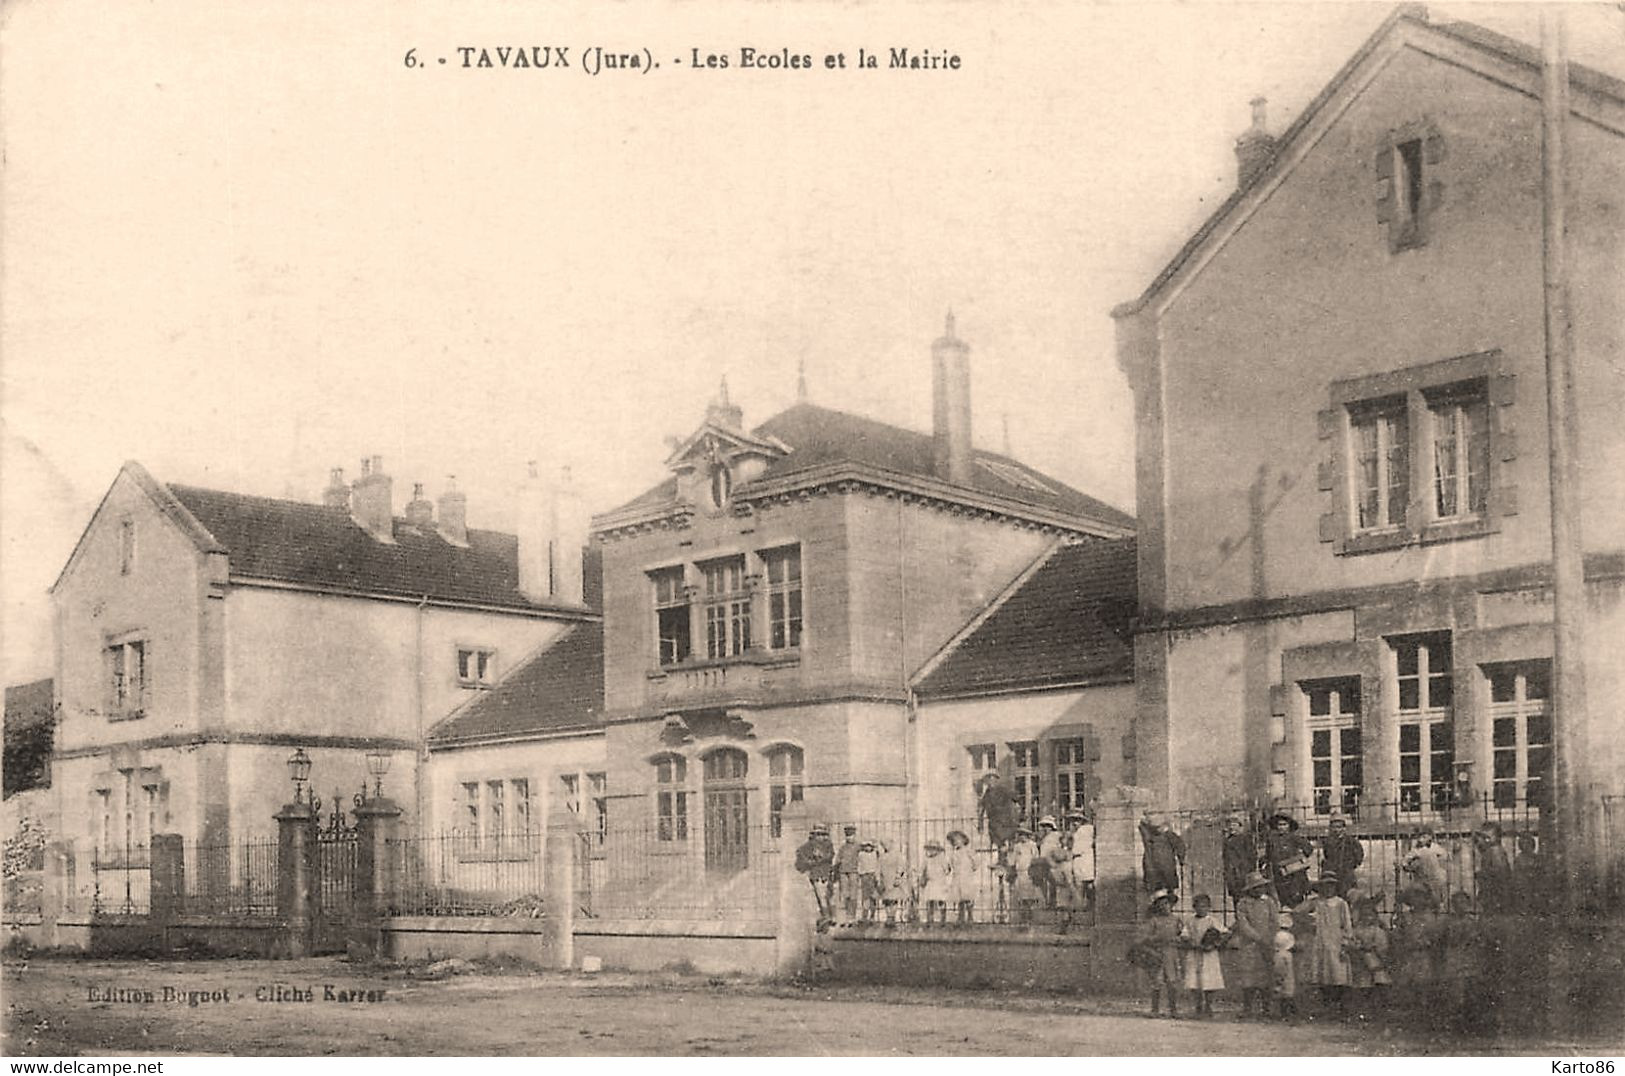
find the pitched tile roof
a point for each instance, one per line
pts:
(315, 545)
(558, 688)
(1067, 621)
(820, 436)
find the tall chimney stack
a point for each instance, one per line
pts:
(1255, 148)
(950, 398)
(337, 493)
(453, 524)
(372, 500)
(571, 522)
(534, 530)
(419, 510)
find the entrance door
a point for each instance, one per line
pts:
(727, 844)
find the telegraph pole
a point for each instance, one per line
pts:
(1573, 827)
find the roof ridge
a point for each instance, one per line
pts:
(311, 504)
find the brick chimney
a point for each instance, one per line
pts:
(950, 398)
(534, 530)
(372, 501)
(419, 510)
(454, 513)
(337, 493)
(1255, 148)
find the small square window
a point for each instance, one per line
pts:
(476, 666)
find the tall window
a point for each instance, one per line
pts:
(1024, 779)
(1071, 760)
(1521, 732)
(727, 608)
(1334, 744)
(471, 808)
(1381, 454)
(521, 804)
(984, 759)
(476, 666)
(1427, 741)
(1461, 449)
(495, 822)
(671, 615)
(783, 784)
(598, 801)
(127, 673)
(671, 798)
(1409, 189)
(104, 832)
(783, 597)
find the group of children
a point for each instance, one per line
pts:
(1336, 947)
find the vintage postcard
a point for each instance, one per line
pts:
(933, 529)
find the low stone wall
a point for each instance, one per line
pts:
(116, 935)
(470, 937)
(972, 957)
(712, 948)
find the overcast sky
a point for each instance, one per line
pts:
(245, 243)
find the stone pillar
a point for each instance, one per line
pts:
(798, 908)
(168, 873)
(563, 845)
(760, 629)
(1120, 897)
(377, 823)
(696, 621)
(296, 874)
(54, 895)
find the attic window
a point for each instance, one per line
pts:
(721, 485)
(475, 666)
(1016, 476)
(1408, 187)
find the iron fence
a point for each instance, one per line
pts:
(1033, 883)
(670, 872)
(461, 873)
(230, 878)
(1390, 836)
(121, 880)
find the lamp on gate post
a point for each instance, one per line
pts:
(378, 765)
(299, 770)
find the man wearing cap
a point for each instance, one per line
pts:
(1164, 853)
(1240, 854)
(1257, 915)
(846, 873)
(1341, 853)
(816, 859)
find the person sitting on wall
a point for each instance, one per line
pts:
(1164, 853)
(1341, 853)
(996, 809)
(816, 859)
(1240, 855)
(1288, 856)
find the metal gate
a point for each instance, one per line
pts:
(334, 888)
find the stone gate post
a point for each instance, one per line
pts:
(1119, 893)
(798, 908)
(296, 874)
(563, 845)
(377, 823)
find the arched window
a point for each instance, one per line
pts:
(671, 798)
(727, 819)
(784, 768)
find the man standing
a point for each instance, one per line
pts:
(997, 808)
(816, 859)
(1341, 853)
(846, 874)
(1240, 853)
(1288, 855)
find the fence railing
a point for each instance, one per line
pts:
(655, 872)
(460, 873)
(230, 878)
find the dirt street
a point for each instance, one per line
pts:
(327, 1006)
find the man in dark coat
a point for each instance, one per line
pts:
(997, 806)
(1288, 856)
(1164, 853)
(1341, 853)
(1492, 869)
(816, 859)
(1240, 856)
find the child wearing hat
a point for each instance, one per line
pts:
(936, 883)
(1328, 964)
(1024, 887)
(1257, 914)
(962, 876)
(1156, 953)
(1368, 966)
(1203, 937)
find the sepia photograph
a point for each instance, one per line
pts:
(866, 529)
